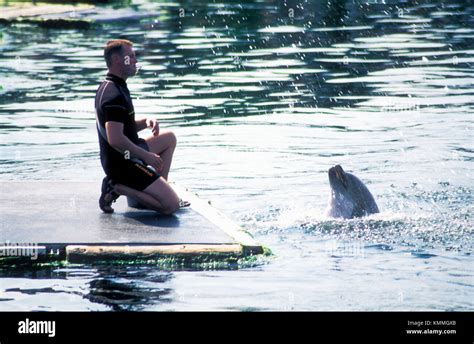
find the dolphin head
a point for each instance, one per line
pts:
(338, 179)
(349, 196)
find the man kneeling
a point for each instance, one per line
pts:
(134, 167)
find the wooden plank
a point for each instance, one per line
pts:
(150, 250)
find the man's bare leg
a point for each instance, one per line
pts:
(164, 145)
(158, 196)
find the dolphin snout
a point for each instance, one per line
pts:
(338, 174)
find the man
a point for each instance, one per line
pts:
(134, 167)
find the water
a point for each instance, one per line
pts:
(264, 98)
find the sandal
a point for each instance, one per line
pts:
(108, 196)
(183, 204)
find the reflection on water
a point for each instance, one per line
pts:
(128, 290)
(118, 288)
(264, 98)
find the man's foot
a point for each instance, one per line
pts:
(108, 196)
(184, 204)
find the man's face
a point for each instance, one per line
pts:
(128, 61)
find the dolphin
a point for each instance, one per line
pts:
(349, 196)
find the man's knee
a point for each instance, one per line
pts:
(173, 141)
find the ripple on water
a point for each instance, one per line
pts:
(425, 220)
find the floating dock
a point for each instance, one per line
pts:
(62, 220)
(64, 16)
(28, 10)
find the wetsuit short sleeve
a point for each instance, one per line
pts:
(115, 110)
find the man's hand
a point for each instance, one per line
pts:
(155, 161)
(153, 124)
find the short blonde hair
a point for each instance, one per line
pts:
(113, 47)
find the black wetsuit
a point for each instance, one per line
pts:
(113, 103)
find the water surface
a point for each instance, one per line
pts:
(265, 97)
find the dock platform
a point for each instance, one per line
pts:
(63, 221)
